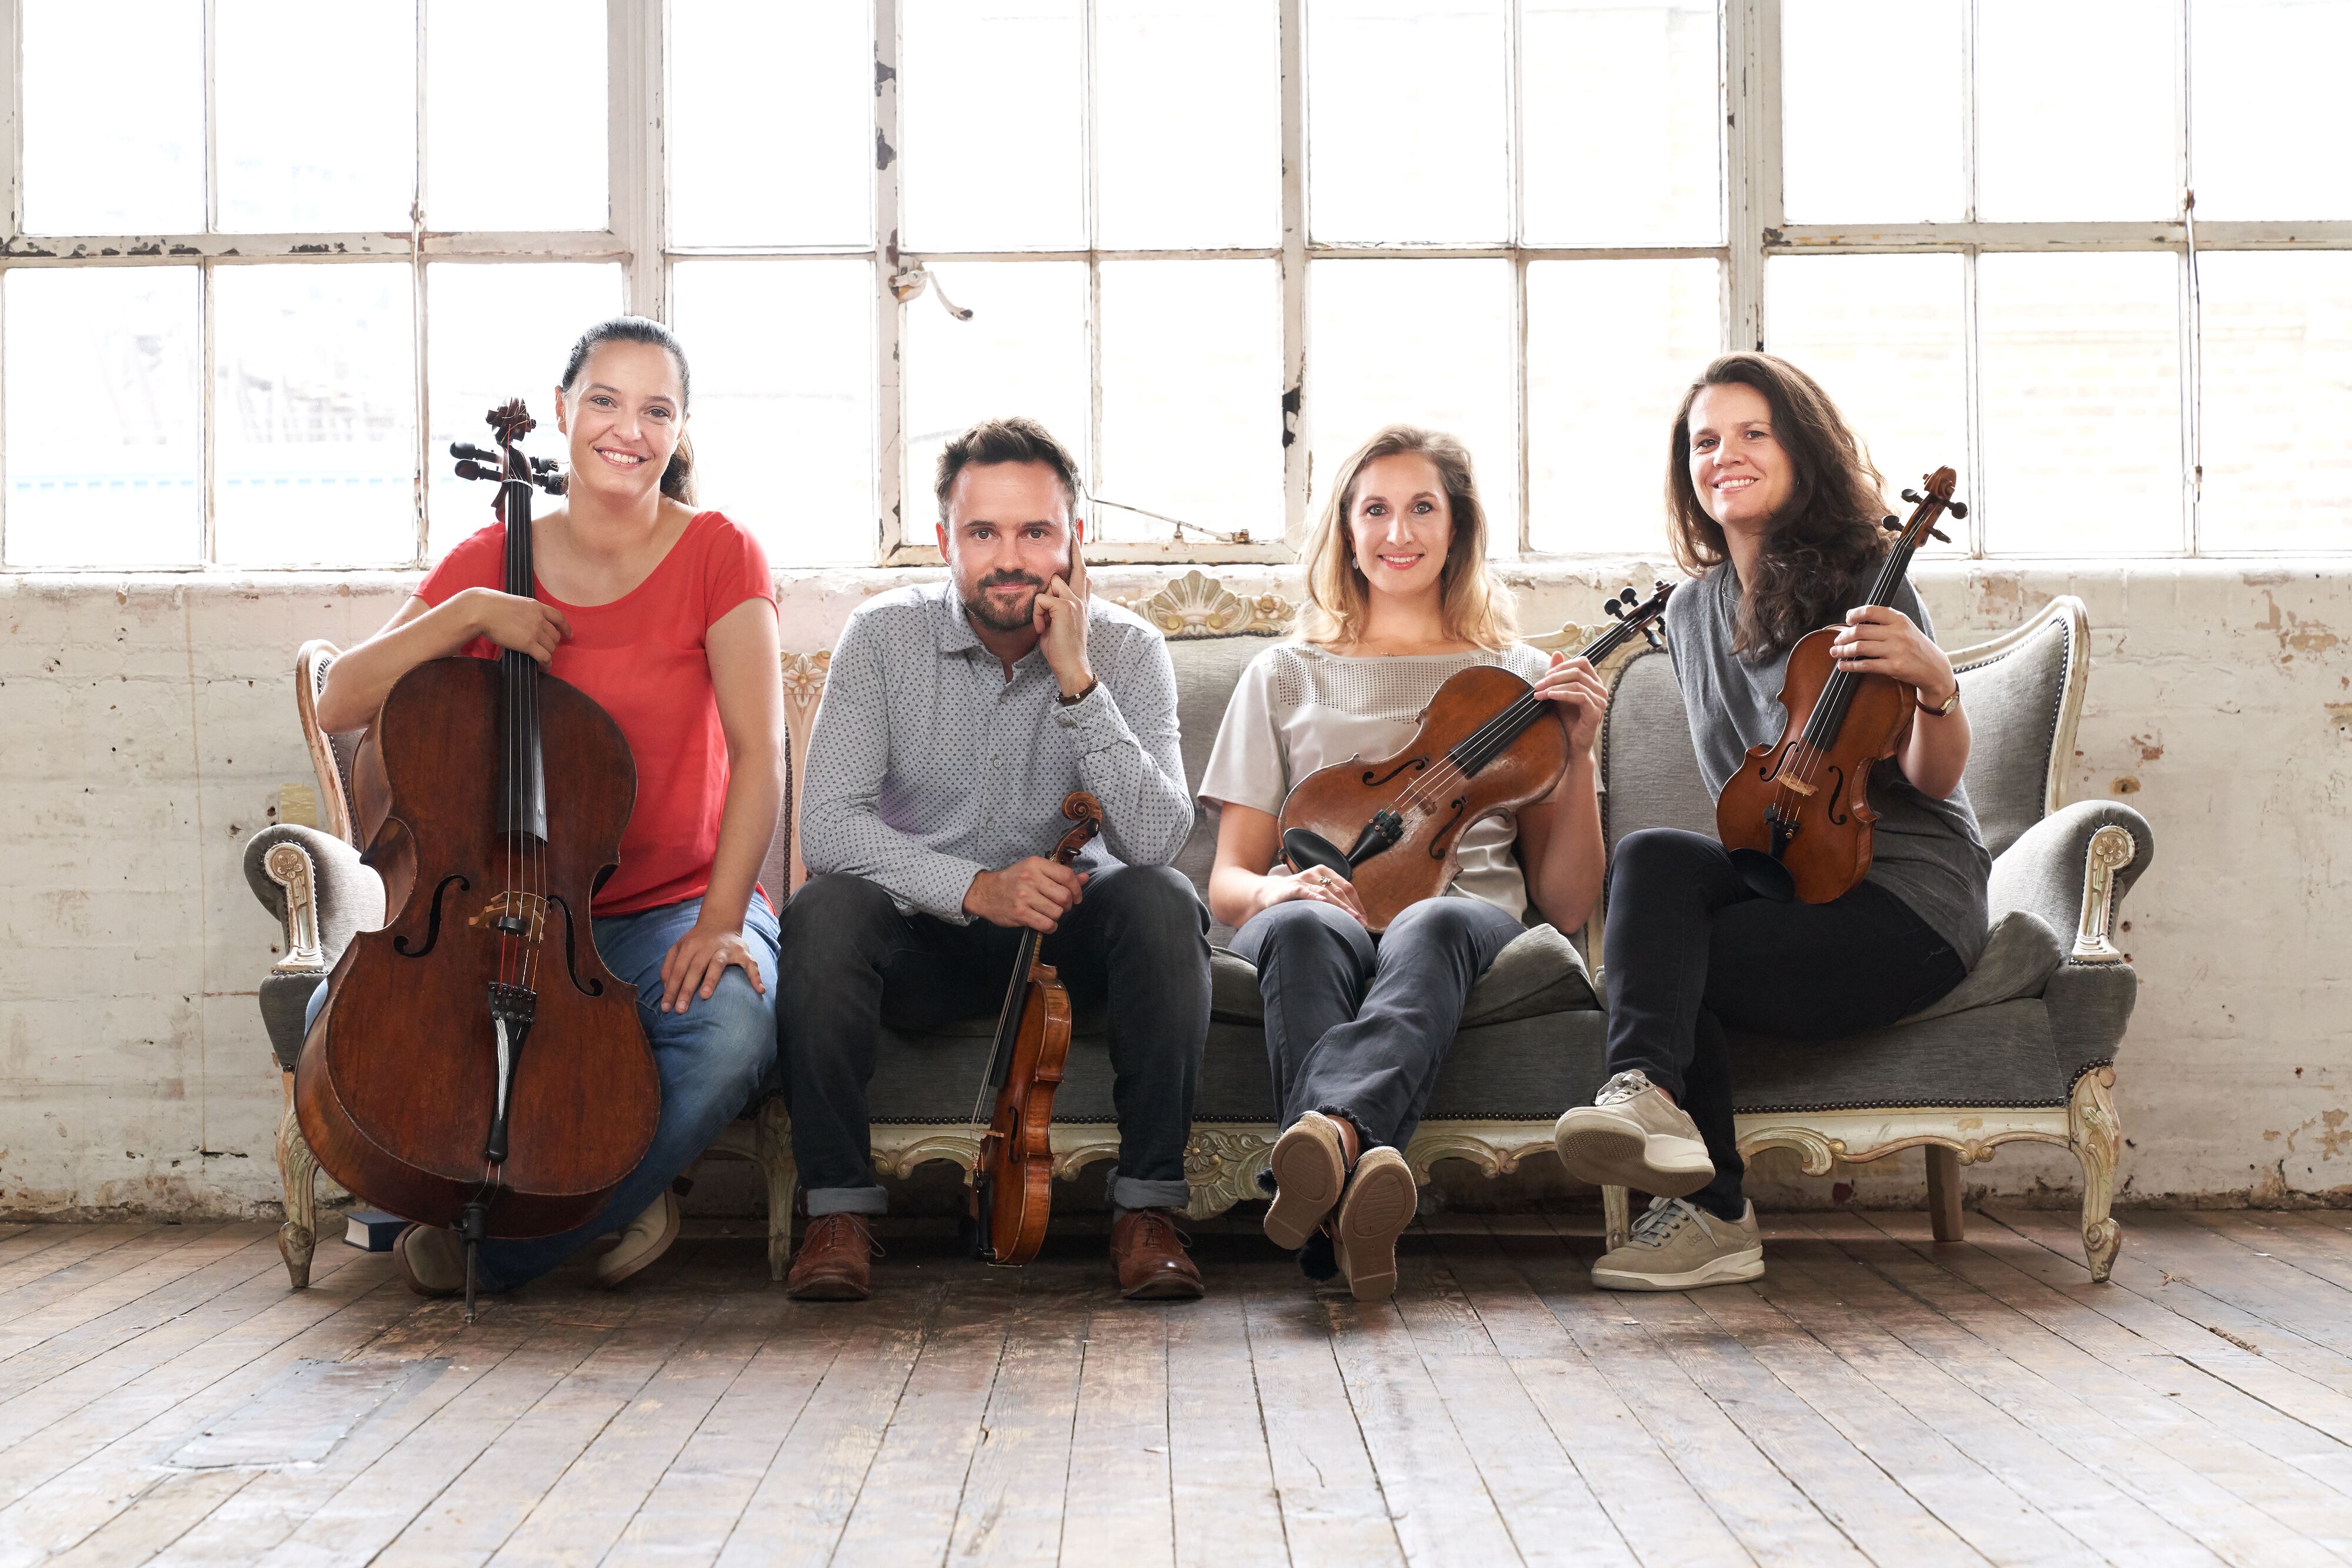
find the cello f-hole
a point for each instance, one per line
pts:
(432, 918)
(588, 987)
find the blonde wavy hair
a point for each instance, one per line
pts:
(1477, 608)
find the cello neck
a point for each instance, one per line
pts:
(522, 781)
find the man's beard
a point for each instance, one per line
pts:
(983, 610)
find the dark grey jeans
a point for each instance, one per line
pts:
(1691, 950)
(1138, 940)
(1357, 1024)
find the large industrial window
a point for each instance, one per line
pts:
(263, 259)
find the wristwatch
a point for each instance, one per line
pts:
(1945, 711)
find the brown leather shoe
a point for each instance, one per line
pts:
(1148, 1252)
(835, 1262)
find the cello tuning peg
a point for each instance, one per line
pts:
(469, 469)
(1958, 510)
(1912, 497)
(467, 449)
(542, 465)
(1891, 523)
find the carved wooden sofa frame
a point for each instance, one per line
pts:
(1226, 1158)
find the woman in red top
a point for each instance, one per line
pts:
(667, 617)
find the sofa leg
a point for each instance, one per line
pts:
(1944, 1216)
(297, 1172)
(783, 1179)
(1617, 1217)
(2096, 1134)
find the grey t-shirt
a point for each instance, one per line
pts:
(1927, 853)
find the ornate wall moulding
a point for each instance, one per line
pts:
(1195, 605)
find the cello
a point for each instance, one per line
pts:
(1012, 1180)
(1796, 816)
(476, 1065)
(1482, 748)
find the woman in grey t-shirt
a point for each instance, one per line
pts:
(1775, 508)
(1400, 598)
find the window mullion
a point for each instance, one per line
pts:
(889, 312)
(12, 127)
(207, 423)
(2192, 334)
(1296, 470)
(634, 77)
(1091, 196)
(1971, 334)
(420, 308)
(1515, 128)
(1751, 161)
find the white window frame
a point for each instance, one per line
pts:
(637, 239)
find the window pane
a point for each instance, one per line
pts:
(1416, 342)
(1188, 123)
(1611, 346)
(1853, 154)
(494, 332)
(2277, 368)
(307, 142)
(104, 438)
(1884, 335)
(748, 81)
(783, 411)
(990, 116)
(1641, 81)
(2074, 112)
(2262, 76)
(113, 117)
(504, 77)
(1024, 351)
(2082, 403)
(1405, 129)
(314, 415)
(1191, 391)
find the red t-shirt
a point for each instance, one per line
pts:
(642, 658)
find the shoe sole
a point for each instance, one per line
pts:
(1732, 1270)
(1168, 1287)
(829, 1288)
(1380, 1203)
(1309, 1174)
(408, 1272)
(1610, 1153)
(671, 1216)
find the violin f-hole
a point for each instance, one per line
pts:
(1414, 763)
(432, 918)
(1437, 841)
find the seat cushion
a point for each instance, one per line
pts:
(1537, 972)
(2020, 955)
(1998, 1055)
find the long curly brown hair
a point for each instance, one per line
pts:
(1825, 543)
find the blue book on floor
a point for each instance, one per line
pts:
(371, 1229)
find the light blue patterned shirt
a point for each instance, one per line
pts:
(928, 766)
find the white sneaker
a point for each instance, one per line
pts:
(1632, 1135)
(1678, 1245)
(644, 1239)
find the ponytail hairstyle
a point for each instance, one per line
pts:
(1826, 540)
(677, 479)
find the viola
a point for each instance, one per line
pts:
(475, 1064)
(1796, 816)
(1012, 1182)
(1486, 745)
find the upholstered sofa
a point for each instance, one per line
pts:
(2023, 1050)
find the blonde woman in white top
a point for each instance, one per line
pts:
(1399, 597)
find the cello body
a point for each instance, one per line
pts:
(475, 1065)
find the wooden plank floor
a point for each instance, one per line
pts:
(1877, 1397)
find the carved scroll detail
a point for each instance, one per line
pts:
(298, 1172)
(288, 865)
(2097, 1135)
(2111, 850)
(1195, 605)
(1223, 1164)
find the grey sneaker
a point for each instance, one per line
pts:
(1678, 1245)
(1632, 1135)
(643, 1239)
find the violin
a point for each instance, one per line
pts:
(1012, 1182)
(1486, 745)
(1796, 816)
(475, 1064)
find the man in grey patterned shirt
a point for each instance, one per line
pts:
(956, 717)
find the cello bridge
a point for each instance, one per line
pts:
(522, 914)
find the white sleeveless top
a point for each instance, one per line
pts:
(1299, 708)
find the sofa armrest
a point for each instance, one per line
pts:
(2073, 868)
(318, 888)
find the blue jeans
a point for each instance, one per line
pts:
(709, 1058)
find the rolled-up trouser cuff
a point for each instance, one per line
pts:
(847, 1200)
(1132, 1192)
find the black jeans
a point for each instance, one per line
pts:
(1691, 952)
(1357, 1024)
(1139, 938)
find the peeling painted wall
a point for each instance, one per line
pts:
(148, 724)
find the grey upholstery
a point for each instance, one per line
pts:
(2018, 1032)
(350, 899)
